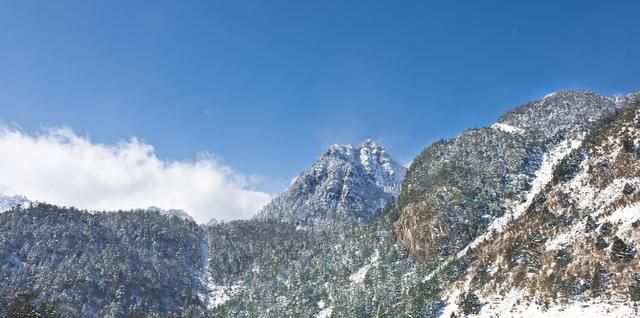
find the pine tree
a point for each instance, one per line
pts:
(22, 307)
(621, 251)
(599, 281)
(470, 304)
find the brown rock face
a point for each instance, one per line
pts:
(419, 230)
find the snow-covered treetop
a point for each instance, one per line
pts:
(181, 214)
(10, 202)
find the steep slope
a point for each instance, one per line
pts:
(347, 184)
(456, 188)
(256, 258)
(116, 264)
(573, 250)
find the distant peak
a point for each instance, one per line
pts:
(338, 150)
(347, 183)
(341, 147)
(367, 148)
(369, 143)
(366, 144)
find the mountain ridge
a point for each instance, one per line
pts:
(474, 176)
(536, 215)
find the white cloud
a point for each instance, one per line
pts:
(62, 168)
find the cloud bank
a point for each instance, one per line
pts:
(60, 167)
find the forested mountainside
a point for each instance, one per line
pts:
(457, 188)
(577, 240)
(117, 264)
(10, 202)
(537, 215)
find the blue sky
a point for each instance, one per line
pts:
(267, 85)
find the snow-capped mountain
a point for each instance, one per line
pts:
(537, 215)
(346, 184)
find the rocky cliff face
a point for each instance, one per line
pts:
(457, 188)
(347, 184)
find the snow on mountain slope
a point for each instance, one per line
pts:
(572, 252)
(214, 295)
(10, 202)
(346, 184)
(511, 305)
(458, 188)
(542, 177)
(386, 173)
(507, 128)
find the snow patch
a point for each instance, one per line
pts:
(221, 294)
(360, 274)
(451, 306)
(215, 295)
(596, 199)
(550, 95)
(507, 128)
(325, 313)
(625, 217)
(513, 305)
(590, 198)
(565, 238)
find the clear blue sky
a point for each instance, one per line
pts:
(267, 85)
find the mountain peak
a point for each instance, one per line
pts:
(347, 148)
(346, 184)
(369, 143)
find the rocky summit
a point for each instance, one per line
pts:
(347, 184)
